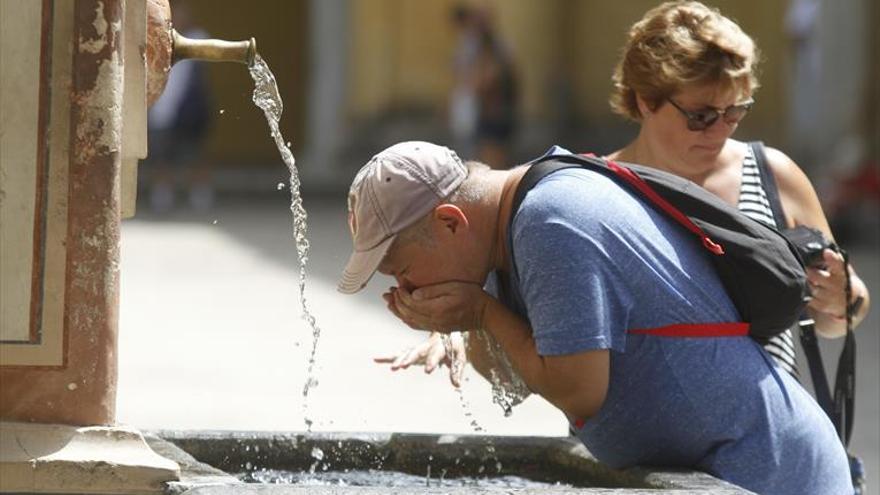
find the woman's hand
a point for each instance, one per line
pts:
(828, 286)
(432, 353)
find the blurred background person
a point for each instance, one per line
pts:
(177, 125)
(463, 97)
(497, 95)
(483, 105)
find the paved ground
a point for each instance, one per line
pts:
(211, 336)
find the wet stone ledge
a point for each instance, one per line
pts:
(211, 460)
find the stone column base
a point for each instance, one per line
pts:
(45, 458)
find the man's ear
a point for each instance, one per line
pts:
(451, 218)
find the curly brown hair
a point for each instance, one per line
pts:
(678, 44)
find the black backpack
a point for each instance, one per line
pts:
(760, 269)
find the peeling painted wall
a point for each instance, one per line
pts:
(82, 390)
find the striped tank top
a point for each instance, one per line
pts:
(753, 203)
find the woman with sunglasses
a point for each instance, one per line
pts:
(687, 75)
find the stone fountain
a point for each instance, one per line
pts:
(72, 130)
(71, 71)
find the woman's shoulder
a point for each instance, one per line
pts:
(789, 176)
(798, 195)
(787, 173)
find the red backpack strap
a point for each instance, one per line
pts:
(635, 181)
(699, 330)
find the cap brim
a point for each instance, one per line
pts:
(361, 267)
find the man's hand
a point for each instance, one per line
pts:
(431, 353)
(391, 304)
(444, 307)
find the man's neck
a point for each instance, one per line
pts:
(503, 189)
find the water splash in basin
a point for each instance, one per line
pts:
(386, 479)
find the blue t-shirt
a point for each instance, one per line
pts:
(592, 261)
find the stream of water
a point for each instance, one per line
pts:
(456, 362)
(267, 98)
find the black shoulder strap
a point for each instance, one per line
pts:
(810, 344)
(769, 183)
(538, 169)
(840, 407)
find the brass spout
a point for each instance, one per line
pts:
(213, 50)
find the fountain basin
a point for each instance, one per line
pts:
(547, 465)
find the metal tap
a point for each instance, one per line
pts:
(213, 50)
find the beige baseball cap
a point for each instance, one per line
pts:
(392, 191)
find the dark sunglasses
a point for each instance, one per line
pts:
(701, 120)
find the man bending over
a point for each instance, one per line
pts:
(584, 262)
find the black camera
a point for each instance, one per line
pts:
(810, 243)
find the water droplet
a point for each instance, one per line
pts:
(280, 186)
(222, 111)
(214, 222)
(71, 386)
(310, 383)
(317, 453)
(248, 465)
